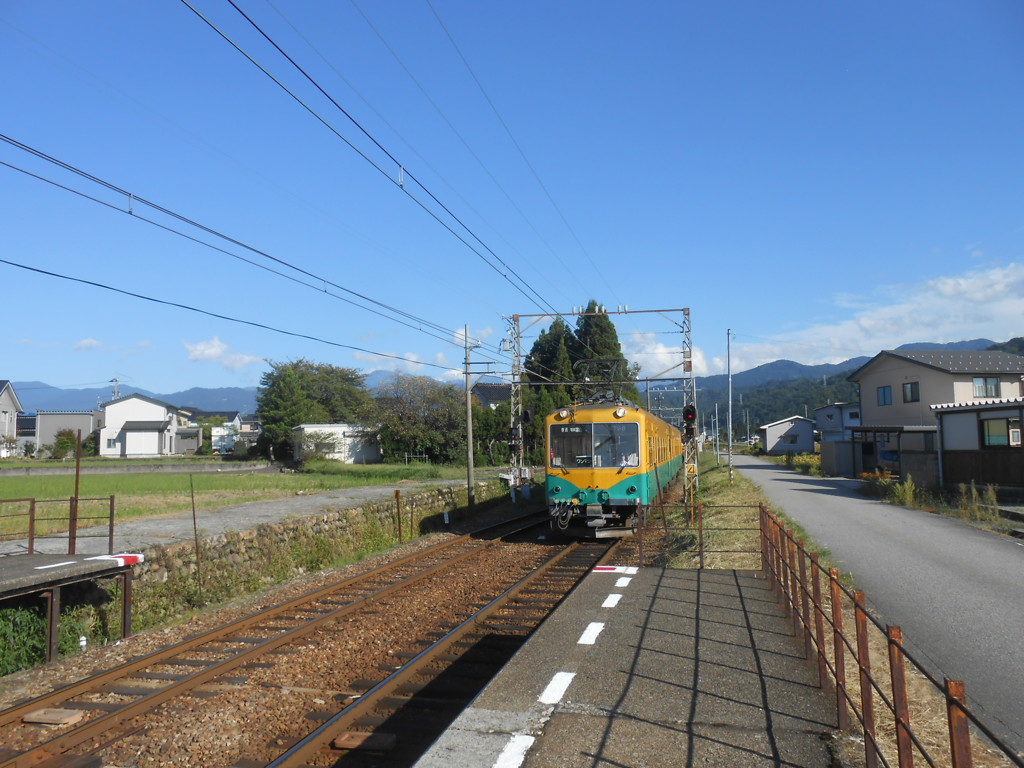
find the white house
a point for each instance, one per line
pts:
(348, 443)
(141, 427)
(792, 435)
(10, 406)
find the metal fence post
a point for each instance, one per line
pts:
(959, 732)
(804, 600)
(867, 702)
(819, 621)
(72, 524)
(31, 526)
(839, 649)
(398, 511)
(794, 588)
(901, 706)
(110, 532)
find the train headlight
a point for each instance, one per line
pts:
(557, 489)
(563, 413)
(631, 489)
(620, 412)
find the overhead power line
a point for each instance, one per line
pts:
(323, 282)
(252, 323)
(404, 175)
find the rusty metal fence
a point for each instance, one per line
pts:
(35, 519)
(904, 714)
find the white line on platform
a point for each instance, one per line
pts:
(54, 565)
(611, 601)
(514, 753)
(589, 636)
(556, 688)
(623, 582)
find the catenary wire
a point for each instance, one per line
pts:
(142, 201)
(391, 126)
(252, 323)
(405, 173)
(522, 154)
(458, 134)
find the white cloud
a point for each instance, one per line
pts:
(217, 351)
(408, 362)
(88, 344)
(661, 360)
(982, 303)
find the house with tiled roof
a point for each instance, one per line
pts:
(898, 389)
(491, 395)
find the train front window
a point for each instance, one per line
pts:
(571, 445)
(594, 445)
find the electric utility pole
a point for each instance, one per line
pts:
(728, 357)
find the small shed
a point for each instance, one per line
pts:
(791, 435)
(347, 443)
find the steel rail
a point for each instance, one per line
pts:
(312, 744)
(216, 668)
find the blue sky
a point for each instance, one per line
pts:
(825, 179)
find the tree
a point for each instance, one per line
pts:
(599, 354)
(206, 425)
(302, 392)
(421, 417)
(64, 443)
(562, 362)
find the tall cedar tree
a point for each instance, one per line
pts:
(560, 363)
(303, 392)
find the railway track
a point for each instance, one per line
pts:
(337, 661)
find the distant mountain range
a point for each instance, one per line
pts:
(39, 396)
(36, 395)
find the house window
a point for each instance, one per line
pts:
(911, 392)
(112, 442)
(885, 395)
(854, 414)
(995, 433)
(986, 386)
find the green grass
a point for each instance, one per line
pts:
(156, 493)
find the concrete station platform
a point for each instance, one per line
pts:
(21, 574)
(649, 668)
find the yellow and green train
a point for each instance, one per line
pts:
(606, 462)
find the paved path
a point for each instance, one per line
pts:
(648, 669)
(956, 591)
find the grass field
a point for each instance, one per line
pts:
(142, 494)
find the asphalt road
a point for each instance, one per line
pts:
(956, 591)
